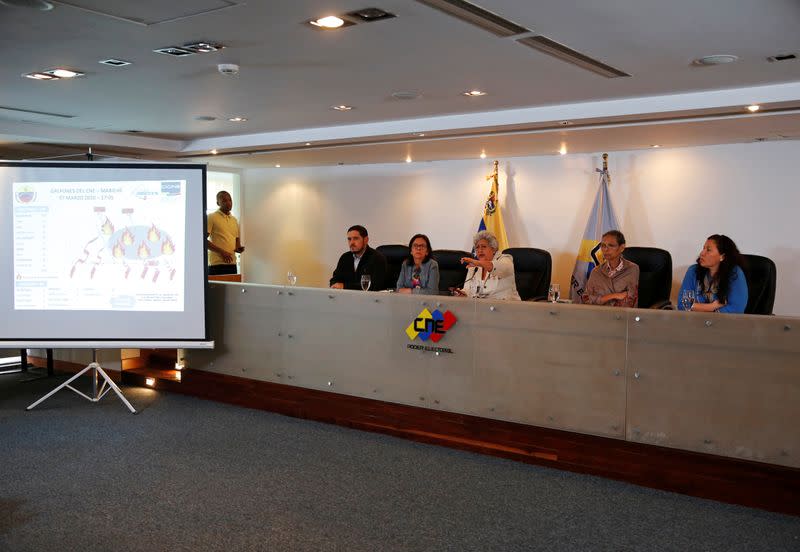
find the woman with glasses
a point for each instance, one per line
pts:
(490, 274)
(716, 280)
(615, 282)
(419, 273)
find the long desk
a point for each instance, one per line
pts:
(721, 384)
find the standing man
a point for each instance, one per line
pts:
(361, 259)
(223, 237)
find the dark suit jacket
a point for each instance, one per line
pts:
(372, 263)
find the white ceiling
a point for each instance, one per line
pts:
(291, 74)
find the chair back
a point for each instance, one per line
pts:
(451, 272)
(532, 271)
(655, 275)
(762, 275)
(395, 254)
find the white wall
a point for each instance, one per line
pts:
(668, 198)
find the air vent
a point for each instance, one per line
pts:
(115, 62)
(784, 57)
(368, 15)
(553, 48)
(475, 15)
(499, 26)
(174, 51)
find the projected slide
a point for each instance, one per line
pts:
(106, 246)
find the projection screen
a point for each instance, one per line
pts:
(103, 255)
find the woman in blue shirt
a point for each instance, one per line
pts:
(419, 273)
(717, 279)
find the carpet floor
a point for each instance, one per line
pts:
(189, 474)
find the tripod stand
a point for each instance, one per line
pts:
(94, 369)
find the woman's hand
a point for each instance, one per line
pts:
(471, 261)
(459, 292)
(619, 296)
(707, 307)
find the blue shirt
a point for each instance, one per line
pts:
(737, 291)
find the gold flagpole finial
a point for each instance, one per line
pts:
(605, 168)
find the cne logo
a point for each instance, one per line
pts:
(430, 325)
(25, 195)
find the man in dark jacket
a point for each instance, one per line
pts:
(360, 260)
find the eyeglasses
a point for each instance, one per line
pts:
(419, 246)
(608, 246)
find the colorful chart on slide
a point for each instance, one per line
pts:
(99, 245)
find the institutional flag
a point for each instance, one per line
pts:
(492, 219)
(601, 221)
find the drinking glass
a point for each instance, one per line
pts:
(365, 281)
(554, 293)
(687, 300)
(292, 277)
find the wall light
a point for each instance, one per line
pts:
(150, 382)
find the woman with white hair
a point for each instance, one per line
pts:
(491, 274)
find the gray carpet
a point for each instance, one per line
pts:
(188, 474)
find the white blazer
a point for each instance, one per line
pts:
(499, 284)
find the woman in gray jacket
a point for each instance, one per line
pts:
(419, 273)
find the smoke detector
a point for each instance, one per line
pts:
(228, 69)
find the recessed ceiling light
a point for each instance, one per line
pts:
(420, 134)
(277, 165)
(205, 118)
(328, 22)
(483, 155)
(342, 107)
(213, 152)
(405, 95)
(114, 62)
(753, 108)
(39, 76)
(308, 143)
(563, 149)
(408, 159)
(237, 119)
(716, 59)
(655, 145)
(63, 73)
(474, 93)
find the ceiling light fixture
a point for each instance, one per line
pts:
(277, 165)
(308, 143)
(563, 150)
(716, 59)
(63, 73)
(483, 155)
(213, 152)
(39, 76)
(237, 119)
(328, 22)
(342, 107)
(753, 108)
(474, 93)
(655, 146)
(408, 159)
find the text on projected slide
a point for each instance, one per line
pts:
(99, 245)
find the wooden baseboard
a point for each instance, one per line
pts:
(71, 367)
(753, 484)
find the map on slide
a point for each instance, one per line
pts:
(99, 245)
